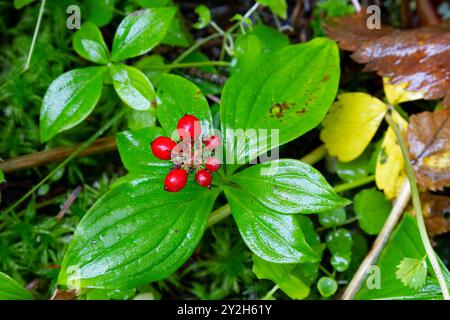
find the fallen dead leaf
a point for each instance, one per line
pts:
(419, 58)
(429, 148)
(434, 209)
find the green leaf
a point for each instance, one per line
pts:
(2, 176)
(110, 294)
(282, 275)
(132, 86)
(340, 243)
(332, 218)
(135, 234)
(140, 31)
(340, 262)
(289, 90)
(99, 12)
(178, 34)
(88, 42)
(404, 243)
(372, 209)
(327, 286)
(279, 7)
(246, 50)
(136, 154)
(271, 236)
(204, 17)
(19, 4)
(11, 290)
(289, 186)
(355, 169)
(141, 119)
(412, 272)
(69, 99)
(177, 97)
(151, 66)
(271, 39)
(153, 3)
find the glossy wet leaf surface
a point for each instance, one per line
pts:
(270, 235)
(70, 99)
(289, 186)
(284, 276)
(404, 243)
(178, 96)
(140, 31)
(136, 154)
(11, 290)
(327, 286)
(429, 147)
(339, 243)
(135, 234)
(132, 86)
(289, 90)
(372, 209)
(332, 218)
(88, 42)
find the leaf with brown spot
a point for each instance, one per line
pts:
(429, 148)
(434, 210)
(418, 57)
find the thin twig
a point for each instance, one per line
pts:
(83, 146)
(54, 155)
(36, 32)
(68, 203)
(372, 256)
(356, 5)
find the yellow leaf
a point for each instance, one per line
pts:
(397, 93)
(390, 170)
(351, 124)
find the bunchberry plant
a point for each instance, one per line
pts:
(192, 154)
(138, 232)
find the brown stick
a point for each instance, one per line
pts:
(44, 157)
(68, 203)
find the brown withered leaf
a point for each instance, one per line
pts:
(351, 31)
(434, 210)
(419, 57)
(429, 148)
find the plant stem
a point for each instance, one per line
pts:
(395, 214)
(218, 215)
(270, 293)
(194, 47)
(83, 146)
(353, 184)
(33, 41)
(189, 65)
(316, 155)
(418, 209)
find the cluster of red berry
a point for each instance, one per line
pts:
(188, 155)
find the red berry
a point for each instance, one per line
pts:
(213, 142)
(189, 127)
(212, 164)
(175, 180)
(203, 178)
(162, 147)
